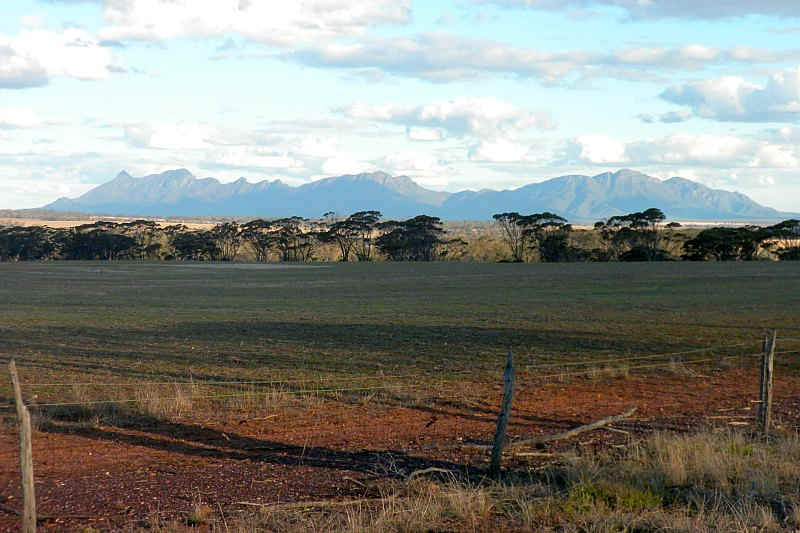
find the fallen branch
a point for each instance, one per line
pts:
(560, 436)
(430, 470)
(357, 482)
(305, 505)
(575, 431)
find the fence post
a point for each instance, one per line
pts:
(768, 373)
(25, 455)
(762, 381)
(502, 418)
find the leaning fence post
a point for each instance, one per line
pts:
(768, 372)
(762, 381)
(502, 418)
(25, 455)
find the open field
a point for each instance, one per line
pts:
(281, 383)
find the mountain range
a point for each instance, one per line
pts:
(576, 197)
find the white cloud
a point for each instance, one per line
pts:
(500, 151)
(597, 149)
(772, 156)
(734, 99)
(784, 134)
(684, 150)
(336, 166)
(33, 57)
(425, 168)
(30, 20)
(441, 58)
(23, 192)
(168, 136)
(14, 118)
(484, 118)
(254, 157)
(417, 133)
(670, 117)
(655, 9)
(270, 22)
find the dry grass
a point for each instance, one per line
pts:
(171, 404)
(727, 465)
(608, 372)
(258, 401)
(707, 482)
(84, 406)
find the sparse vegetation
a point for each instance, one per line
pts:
(684, 483)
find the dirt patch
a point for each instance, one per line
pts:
(113, 478)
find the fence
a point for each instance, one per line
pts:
(579, 395)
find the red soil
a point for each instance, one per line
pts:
(112, 478)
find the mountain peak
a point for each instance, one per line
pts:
(180, 174)
(625, 174)
(578, 198)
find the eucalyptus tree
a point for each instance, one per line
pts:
(228, 238)
(634, 236)
(547, 234)
(724, 244)
(260, 235)
(354, 235)
(415, 239)
(513, 234)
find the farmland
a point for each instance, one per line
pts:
(282, 383)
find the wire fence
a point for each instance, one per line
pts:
(392, 381)
(460, 401)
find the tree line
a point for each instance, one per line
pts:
(361, 236)
(644, 236)
(365, 236)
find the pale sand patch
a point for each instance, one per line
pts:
(73, 223)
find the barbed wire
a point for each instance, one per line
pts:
(217, 396)
(329, 429)
(303, 431)
(382, 376)
(228, 383)
(639, 357)
(654, 365)
(356, 389)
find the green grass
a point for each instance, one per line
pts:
(75, 321)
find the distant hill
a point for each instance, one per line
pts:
(578, 198)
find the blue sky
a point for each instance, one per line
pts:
(456, 94)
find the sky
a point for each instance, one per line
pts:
(456, 94)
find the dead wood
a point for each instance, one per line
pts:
(417, 473)
(575, 431)
(304, 505)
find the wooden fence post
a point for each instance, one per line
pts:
(768, 372)
(25, 455)
(502, 418)
(762, 381)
